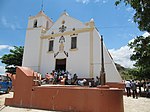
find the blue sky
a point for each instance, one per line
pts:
(114, 23)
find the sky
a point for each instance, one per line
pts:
(115, 23)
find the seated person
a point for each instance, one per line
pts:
(82, 82)
(92, 83)
(47, 79)
(74, 79)
(37, 78)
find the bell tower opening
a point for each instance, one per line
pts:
(35, 24)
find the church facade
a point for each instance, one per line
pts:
(67, 44)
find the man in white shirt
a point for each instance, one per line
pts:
(128, 87)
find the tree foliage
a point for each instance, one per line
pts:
(13, 59)
(141, 45)
(141, 55)
(142, 12)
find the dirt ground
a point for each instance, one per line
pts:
(136, 105)
(130, 105)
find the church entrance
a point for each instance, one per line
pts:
(60, 64)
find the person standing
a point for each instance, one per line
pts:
(140, 86)
(128, 87)
(92, 83)
(97, 81)
(134, 89)
(69, 78)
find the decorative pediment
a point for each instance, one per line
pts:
(66, 24)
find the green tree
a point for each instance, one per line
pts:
(141, 45)
(141, 55)
(13, 59)
(142, 12)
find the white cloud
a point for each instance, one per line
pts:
(122, 56)
(104, 1)
(5, 47)
(129, 9)
(4, 21)
(95, 1)
(83, 1)
(2, 69)
(146, 34)
(8, 24)
(130, 20)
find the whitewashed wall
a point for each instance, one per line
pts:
(112, 74)
(31, 56)
(78, 60)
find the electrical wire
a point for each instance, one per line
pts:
(102, 27)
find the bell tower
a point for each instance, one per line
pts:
(33, 41)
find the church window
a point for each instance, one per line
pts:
(47, 25)
(73, 42)
(51, 44)
(35, 24)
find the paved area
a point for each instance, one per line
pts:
(130, 105)
(136, 105)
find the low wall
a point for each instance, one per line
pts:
(116, 85)
(63, 98)
(77, 99)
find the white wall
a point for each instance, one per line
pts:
(31, 57)
(79, 60)
(31, 49)
(96, 53)
(112, 74)
(76, 62)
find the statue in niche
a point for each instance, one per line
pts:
(61, 47)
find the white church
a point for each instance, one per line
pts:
(67, 44)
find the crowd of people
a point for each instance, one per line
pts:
(134, 88)
(57, 77)
(66, 78)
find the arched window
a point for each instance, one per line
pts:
(47, 25)
(35, 24)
